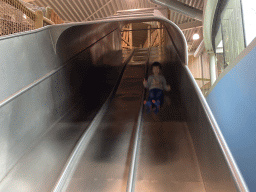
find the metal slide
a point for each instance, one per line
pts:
(57, 136)
(166, 160)
(165, 151)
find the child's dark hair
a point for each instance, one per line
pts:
(156, 64)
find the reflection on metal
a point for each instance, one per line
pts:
(136, 144)
(28, 80)
(201, 124)
(75, 157)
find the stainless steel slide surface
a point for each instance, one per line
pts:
(167, 159)
(52, 98)
(105, 162)
(40, 167)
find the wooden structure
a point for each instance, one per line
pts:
(18, 16)
(143, 35)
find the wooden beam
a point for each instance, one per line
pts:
(139, 29)
(130, 36)
(126, 42)
(154, 40)
(190, 25)
(202, 79)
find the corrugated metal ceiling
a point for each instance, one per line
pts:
(88, 10)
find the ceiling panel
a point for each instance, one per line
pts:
(87, 10)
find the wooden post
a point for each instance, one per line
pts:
(39, 19)
(164, 36)
(159, 35)
(149, 36)
(48, 12)
(130, 36)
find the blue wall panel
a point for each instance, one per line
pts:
(233, 103)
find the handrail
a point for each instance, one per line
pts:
(132, 172)
(225, 149)
(134, 159)
(46, 76)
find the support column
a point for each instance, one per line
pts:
(130, 36)
(159, 34)
(149, 36)
(39, 19)
(48, 12)
(212, 67)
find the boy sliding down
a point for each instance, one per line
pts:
(156, 84)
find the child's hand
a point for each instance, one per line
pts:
(168, 88)
(145, 83)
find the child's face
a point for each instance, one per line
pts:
(156, 70)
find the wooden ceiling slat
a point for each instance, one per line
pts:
(99, 10)
(100, 14)
(103, 13)
(138, 4)
(117, 5)
(120, 5)
(86, 5)
(190, 3)
(111, 4)
(194, 3)
(63, 4)
(103, 8)
(181, 19)
(78, 10)
(109, 8)
(38, 3)
(175, 17)
(95, 10)
(126, 5)
(81, 8)
(97, 5)
(78, 17)
(198, 4)
(64, 10)
(60, 12)
(114, 5)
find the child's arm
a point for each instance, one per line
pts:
(166, 87)
(147, 83)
